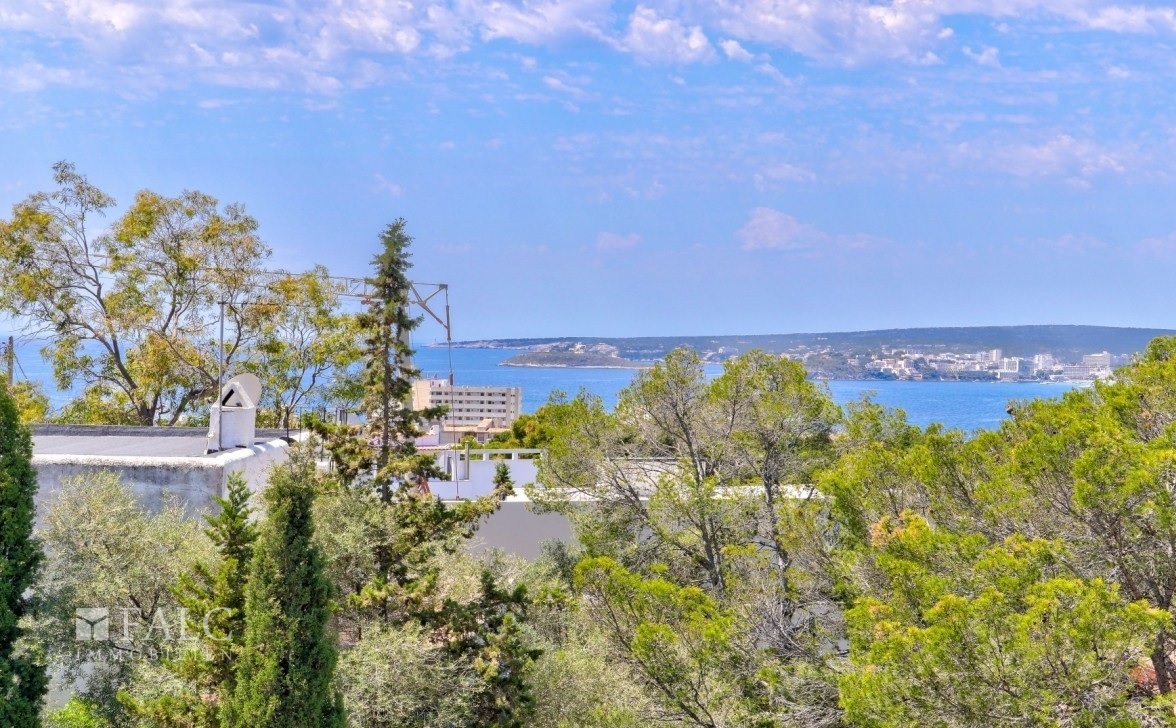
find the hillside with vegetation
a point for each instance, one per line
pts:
(571, 354)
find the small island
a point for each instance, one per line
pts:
(569, 354)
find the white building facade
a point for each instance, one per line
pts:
(469, 405)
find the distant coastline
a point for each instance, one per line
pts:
(985, 353)
(571, 360)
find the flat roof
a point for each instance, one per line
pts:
(112, 441)
(132, 446)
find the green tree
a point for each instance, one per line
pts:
(388, 374)
(214, 600)
(965, 634)
(303, 342)
(536, 430)
(285, 671)
(132, 309)
(1095, 470)
(387, 545)
(106, 550)
(31, 403)
(23, 680)
(397, 677)
(678, 639)
(76, 713)
(698, 483)
(393, 562)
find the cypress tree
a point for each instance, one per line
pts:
(214, 598)
(285, 669)
(23, 680)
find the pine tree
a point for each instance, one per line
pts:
(23, 680)
(389, 372)
(284, 673)
(416, 527)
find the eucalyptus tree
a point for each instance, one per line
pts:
(303, 343)
(131, 303)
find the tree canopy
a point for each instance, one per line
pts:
(132, 305)
(23, 680)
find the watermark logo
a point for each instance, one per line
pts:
(91, 624)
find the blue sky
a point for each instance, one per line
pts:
(586, 167)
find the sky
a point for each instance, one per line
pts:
(667, 167)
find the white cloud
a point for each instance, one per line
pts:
(783, 172)
(735, 51)
(538, 23)
(769, 229)
(772, 72)
(1131, 19)
(328, 46)
(565, 85)
(391, 188)
(850, 33)
(988, 56)
(613, 241)
(1163, 246)
(1075, 160)
(217, 103)
(35, 76)
(1073, 243)
(652, 37)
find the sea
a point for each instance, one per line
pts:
(968, 406)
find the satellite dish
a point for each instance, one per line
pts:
(247, 384)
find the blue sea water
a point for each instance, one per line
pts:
(965, 405)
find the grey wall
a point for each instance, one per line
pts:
(516, 530)
(194, 481)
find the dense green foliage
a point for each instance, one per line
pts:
(748, 555)
(214, 599)
(286, 666)
(31, 402)
(22, 674)
(531, 431)
(106, 550)
(963, 633)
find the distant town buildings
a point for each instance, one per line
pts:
(1097, 361)
(477, 411)
(989, 364)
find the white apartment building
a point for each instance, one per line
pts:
(469, 405)
(1102, 360)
